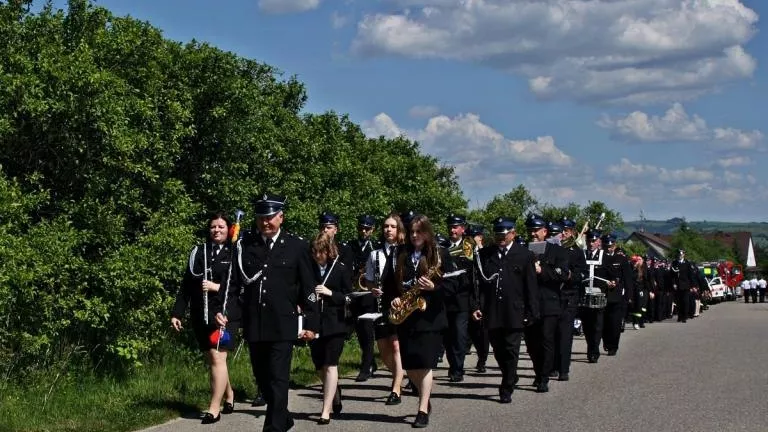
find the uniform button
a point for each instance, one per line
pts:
(265, 266)
(265, 278)
(263, 304)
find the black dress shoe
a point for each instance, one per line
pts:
(554, 374)
(536, 381)
(480, 368)
(337, 401)
(258, 401)
(505, 396)
(563, 377)
(543, 387)
(422, 420)
(208, 418)
(611, 352)
(393, 399)
(456, 378)
(363, 376)
(289, 424)
(592, 358)
(229, 408)
(323, 421)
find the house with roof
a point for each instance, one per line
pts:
(656, 246)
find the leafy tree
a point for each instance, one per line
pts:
(114, 144)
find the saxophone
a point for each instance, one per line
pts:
(412, 300)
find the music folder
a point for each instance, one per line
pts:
(537, 247)
(373, 316)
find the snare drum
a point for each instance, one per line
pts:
(595, 300)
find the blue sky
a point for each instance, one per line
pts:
(653, 105)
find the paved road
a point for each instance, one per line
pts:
(710, 374)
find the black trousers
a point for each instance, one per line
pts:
(754, 295)
(540, 341)
(271, 363)
(683, 302)
(659, 305)
(365, 337)
(592, 323)
(478, 335)
(455, 340)
(506, 351)
(613, 321)
(564, 337)
(747, 294)
(761, 291)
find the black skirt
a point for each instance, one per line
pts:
(203, 336)
(419, 350)
(384, 330)
(326, 350)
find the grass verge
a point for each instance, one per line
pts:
(176, 385)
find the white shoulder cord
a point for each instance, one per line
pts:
(246, 279)
(192, 257)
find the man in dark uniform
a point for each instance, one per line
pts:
(617, 296)
(508, 299)
(592, 318)
(274, 280)
(569, 299)
(478, 333)
(361, 250)
(682, 279)
(552, 273)
(456, 337)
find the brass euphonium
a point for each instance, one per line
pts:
(411, 300)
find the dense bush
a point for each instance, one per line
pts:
(115, 142)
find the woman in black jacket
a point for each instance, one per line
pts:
(420, 265)
(334, 283)
(643, 286)
(206, 279)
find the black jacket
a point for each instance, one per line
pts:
(433, 319)
(360, 254)
(332, 320)
(553, 276)
(622, 274)
(682, 275)
(513, 299)
(457, 295)
(191, 290)
(270, 302)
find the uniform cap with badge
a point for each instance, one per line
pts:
(502, 225)
(268, 205)
(328, 218)
(455, 219)
(366, 221)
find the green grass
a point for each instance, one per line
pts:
(171, 387)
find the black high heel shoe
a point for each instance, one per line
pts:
(323, 421)
(337, 401)
(228, 408)
(208, 418)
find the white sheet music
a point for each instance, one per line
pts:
(373, 316)
(537, 247)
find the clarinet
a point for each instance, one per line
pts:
(377, 281)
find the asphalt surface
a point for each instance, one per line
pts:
(710, 373)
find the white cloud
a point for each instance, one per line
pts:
(486, 162)
(733, 161)
(423, 111)
(676, 125)
(588, 50)
(338, 21)
(627, 170)
(287, 6)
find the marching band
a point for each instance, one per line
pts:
(418, 296)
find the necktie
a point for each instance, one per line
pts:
(269, 243)
(502, 252)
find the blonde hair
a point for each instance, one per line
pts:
(323, 242)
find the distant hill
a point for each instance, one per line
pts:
(759, 230)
